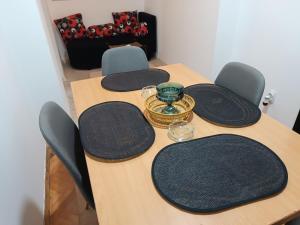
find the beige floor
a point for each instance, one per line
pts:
(66, 205)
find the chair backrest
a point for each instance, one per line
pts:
(124, 59)
(242, 79)
(62, 135)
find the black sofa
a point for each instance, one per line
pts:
(87, 53)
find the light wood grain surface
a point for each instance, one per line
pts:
(125, 195)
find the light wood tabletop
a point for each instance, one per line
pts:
(125, 195)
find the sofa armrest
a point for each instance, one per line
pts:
(151, 38)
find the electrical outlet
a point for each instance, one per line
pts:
(270, 97)
(273, 94)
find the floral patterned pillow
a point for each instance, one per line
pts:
(125, 21)
(101, 31)
(141, 29)
(71, 27)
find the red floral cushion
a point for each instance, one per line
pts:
(125, 21)
(141, 29)
(101, 31)
(71, 27)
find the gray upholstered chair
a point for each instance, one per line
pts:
(242, 79)
(62, 135)
(124, 59)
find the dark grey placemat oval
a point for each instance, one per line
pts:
(115, 131)
(217, 172)
(134, 80)
(222, 107)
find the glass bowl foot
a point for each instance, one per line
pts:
(170, 109)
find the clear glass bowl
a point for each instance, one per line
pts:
(180, 131)
(148, 91)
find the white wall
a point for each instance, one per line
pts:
(229, 11)
(268, 37)
(93, 12)
(186, 31)
(51, 36)
(29, 77)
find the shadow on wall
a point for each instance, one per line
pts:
(31, 214)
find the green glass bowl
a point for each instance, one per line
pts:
(169, 93)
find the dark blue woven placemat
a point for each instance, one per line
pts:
(217, 172)
(222, 107)
(134, 80)
(115, 131)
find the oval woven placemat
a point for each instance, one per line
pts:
(115, 131)
(221, 106)
(134, 80)
(217, 173)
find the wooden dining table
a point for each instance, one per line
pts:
(124, 193)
